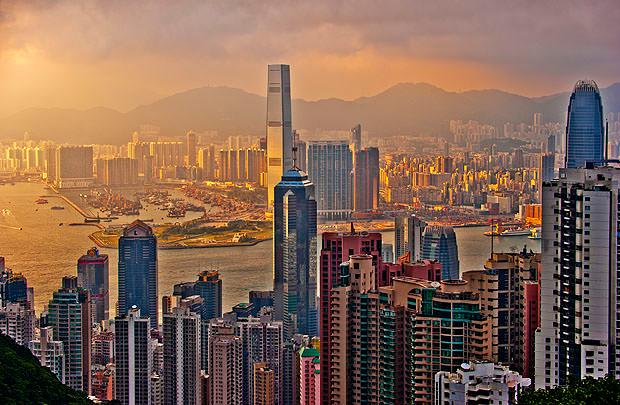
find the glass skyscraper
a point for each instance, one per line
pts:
(584, 126)
(137, 271)
(92, 270)
(439, 243)
(295, 255)
(279, 126)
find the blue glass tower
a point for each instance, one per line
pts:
(439, 243)
(585, 132)
(137, 271)
(295, 255)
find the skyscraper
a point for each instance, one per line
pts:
(353, 358)
(309, 376)
(415, 233)
(49, 352)
(366, 180)
(69, 315)
(13, 287)
(133, 356)
(294, 230)
(263, 343)
(329, 168)
(279, 126)
(400, 241)
(580, 320)
(17, 321)
(181, 356)
(225, 364)
(137, 270)
(439, 243)
(74, 166)
(336, 249)
(92, 270)
(264, 385)
(190, 145)
(585, 135)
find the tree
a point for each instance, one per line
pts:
(588, 391)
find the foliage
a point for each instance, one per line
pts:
(587, 391)
(24, 381)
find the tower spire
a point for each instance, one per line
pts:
(295, 158)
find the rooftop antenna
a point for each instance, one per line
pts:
(295, 158)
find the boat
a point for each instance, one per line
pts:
(41, 201)
(535, 234)
(498, 230)
(57, 207)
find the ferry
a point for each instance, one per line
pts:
(41, 201)
(535, 234)
(57, 207)
(510, 231)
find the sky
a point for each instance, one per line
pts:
(120, 54)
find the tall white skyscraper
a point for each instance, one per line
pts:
(580, 319)
(225, 364)
(181, 357)
(279, 126)
(133, 354)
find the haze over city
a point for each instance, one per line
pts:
(309, 202)
(84, 54)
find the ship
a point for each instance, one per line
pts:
(41, 201)
(497, 230)
(57, 207)
(535, 234)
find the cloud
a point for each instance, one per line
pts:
(532, 42)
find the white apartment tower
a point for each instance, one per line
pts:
(579, 291)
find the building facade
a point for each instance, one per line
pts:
(439, 243)
(295, 244)
(137, 271)
(585, 132)
(93, 275)
(279, 126)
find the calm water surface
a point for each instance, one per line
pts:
(45, 251)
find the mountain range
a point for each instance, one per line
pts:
(406, 108)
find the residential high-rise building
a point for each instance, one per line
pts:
(415, 233)
(503, 286)
(580, 320)
(439, 243)
(181, 356)
(133, 350)
(263, 342)
(477, 382)
(92, 271)
(118, 171)
(206, 161)
(366, 180)
(13, 287)
(264, 385)
(336, 249)
(294, 240)
(49, 352)
(400, 234)
(74, 166)
(309, 376)
(585, 132)
(354, 334)
(17, 321)
(190, 148)
(330, 164)
(279, 126)
(137, 270)
(225, 364)
(426, 327)
(69, 315)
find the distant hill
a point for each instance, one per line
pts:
(405, 108)
(24, 381)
